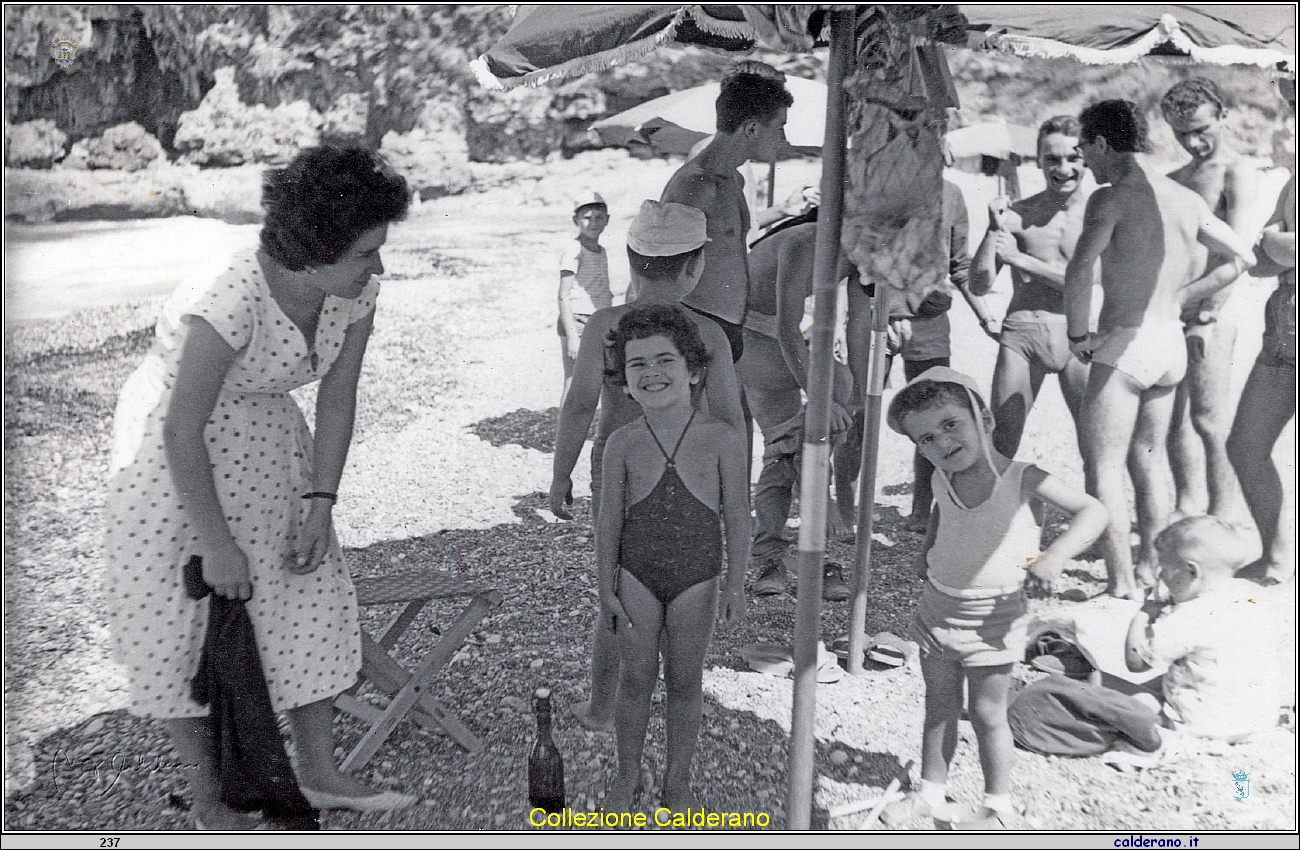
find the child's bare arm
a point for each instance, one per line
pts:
(578, 411)
(735, 516)
(609, 532)
(922, 564)
(1137, 643)
(567, 281)
(1088, 520)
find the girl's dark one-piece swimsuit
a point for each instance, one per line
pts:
(671, 540)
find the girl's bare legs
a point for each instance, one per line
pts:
(988, 714)
(192, 740)
(1267, 405)
(689, 626)
(638, 648)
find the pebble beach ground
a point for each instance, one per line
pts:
(448, 467)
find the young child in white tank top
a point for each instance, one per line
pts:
(981, 546)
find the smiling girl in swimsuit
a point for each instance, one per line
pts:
(672, 481)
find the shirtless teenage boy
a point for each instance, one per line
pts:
(1035, 237)
(1145, 228)
(751, 126)
(1198, 434)
(665, 246)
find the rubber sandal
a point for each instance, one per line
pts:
(770, 658)
(889, 649)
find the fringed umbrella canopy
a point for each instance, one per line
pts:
(554, 42)
(1262, 35)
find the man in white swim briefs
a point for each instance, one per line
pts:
(1144, 227)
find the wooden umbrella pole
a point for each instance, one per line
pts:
(816, 449)
(867, 481)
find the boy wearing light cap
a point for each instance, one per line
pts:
(584, 279)
(665, 249)
(981, 545)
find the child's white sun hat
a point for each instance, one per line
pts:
(666, 229)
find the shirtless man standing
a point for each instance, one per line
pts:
(1144, 227)
(1036, 237)
(751, 112)
(1198, 433)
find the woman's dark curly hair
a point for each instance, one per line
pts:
(666, 320)
(320, 204)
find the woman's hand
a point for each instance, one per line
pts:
(313, 540)
(225, 570)
(733, 608)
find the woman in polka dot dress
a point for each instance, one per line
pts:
(213, 458)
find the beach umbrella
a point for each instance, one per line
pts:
(676, 122)
(553, 42)
(995, 148)
(550, 42)
(993, 139)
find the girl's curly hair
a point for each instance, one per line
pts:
(666, 320)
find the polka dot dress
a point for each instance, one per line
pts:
(260, 449)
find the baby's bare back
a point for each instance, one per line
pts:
(1153, 251)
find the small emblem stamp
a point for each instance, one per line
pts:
(1240, 785)
(64, 50)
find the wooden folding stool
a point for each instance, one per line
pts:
(409, 692)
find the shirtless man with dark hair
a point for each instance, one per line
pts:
(1035, 237)
(1198, 435)
(751, 114)
(1145, 228)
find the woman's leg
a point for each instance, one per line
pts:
(638, 649)
(192, 738)
(689, 625)
(313, 744)
(988, 714)
(1267, 404)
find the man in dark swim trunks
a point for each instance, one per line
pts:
(1036, 238)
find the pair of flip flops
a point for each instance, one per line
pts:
(885, 648)
(775, 659)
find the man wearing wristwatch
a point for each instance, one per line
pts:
(1036, 238)
(1145, 229)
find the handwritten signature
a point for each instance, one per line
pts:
(114, 766)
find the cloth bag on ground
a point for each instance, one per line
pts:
(1058, 716)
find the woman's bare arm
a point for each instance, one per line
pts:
(336, 411)
(205, 360)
